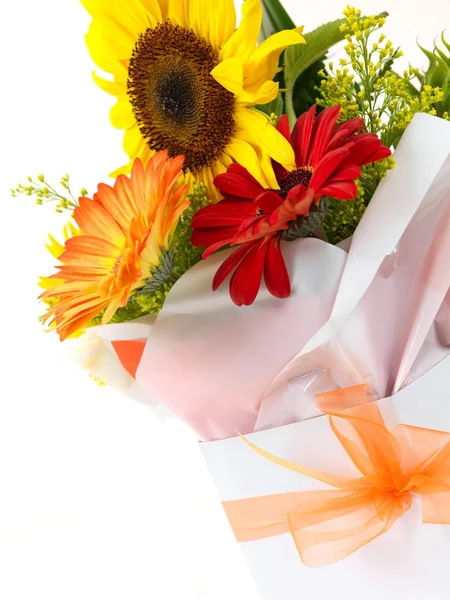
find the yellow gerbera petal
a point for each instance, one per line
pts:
(263, 63)
(243, 41)
(255, 128)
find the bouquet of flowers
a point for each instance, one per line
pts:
(272, 267)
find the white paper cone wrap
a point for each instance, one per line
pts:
(410, 561)
(376, 312)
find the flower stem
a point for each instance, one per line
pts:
(289, 105)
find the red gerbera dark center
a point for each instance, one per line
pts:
(301, 175)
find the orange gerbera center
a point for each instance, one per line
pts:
(178, 105)
(125, 272)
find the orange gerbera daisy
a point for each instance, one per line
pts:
(124, 230)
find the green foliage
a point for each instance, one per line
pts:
(275, 19)
(305, 87)
(437, 74)
(301, 57)
(45, 193)
(342, 219)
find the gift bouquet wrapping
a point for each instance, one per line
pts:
(272, 267)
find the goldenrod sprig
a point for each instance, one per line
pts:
(45, 193)
(366, 86)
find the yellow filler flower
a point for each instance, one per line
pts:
(185, 80)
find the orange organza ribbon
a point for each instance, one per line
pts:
(329, 525)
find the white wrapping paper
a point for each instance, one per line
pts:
(409, 562)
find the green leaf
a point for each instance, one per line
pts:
(444, 41)
(275, 106)
(305, 92)
(440, 75)
(433, 61)
(301, 56)
(443, 56)
(275, 19)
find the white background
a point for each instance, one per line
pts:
(98, 500)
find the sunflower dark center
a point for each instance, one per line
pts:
(177, 104)
(299, 176)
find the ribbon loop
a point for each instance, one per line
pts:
(329, 525)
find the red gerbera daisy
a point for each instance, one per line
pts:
(328, 159)
(328, 156)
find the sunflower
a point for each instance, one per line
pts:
(185, 80)
(124, 231)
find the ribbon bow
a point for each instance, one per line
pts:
(329, 525)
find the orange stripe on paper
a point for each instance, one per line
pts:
(129, 353)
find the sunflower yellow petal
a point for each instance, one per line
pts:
(226, 161)
(254, 127)
(115, 88)
(138, 149)
(267, 92)
(104, 53)
(121, 114)
(155, 9)
(177, 11)
(207, 176)
(124, 170)
(230, 74)
(123, 17)
(214, 20)
(243, 41)
(243, 153)
(267, 169)
(263, 63)
(133, 141)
